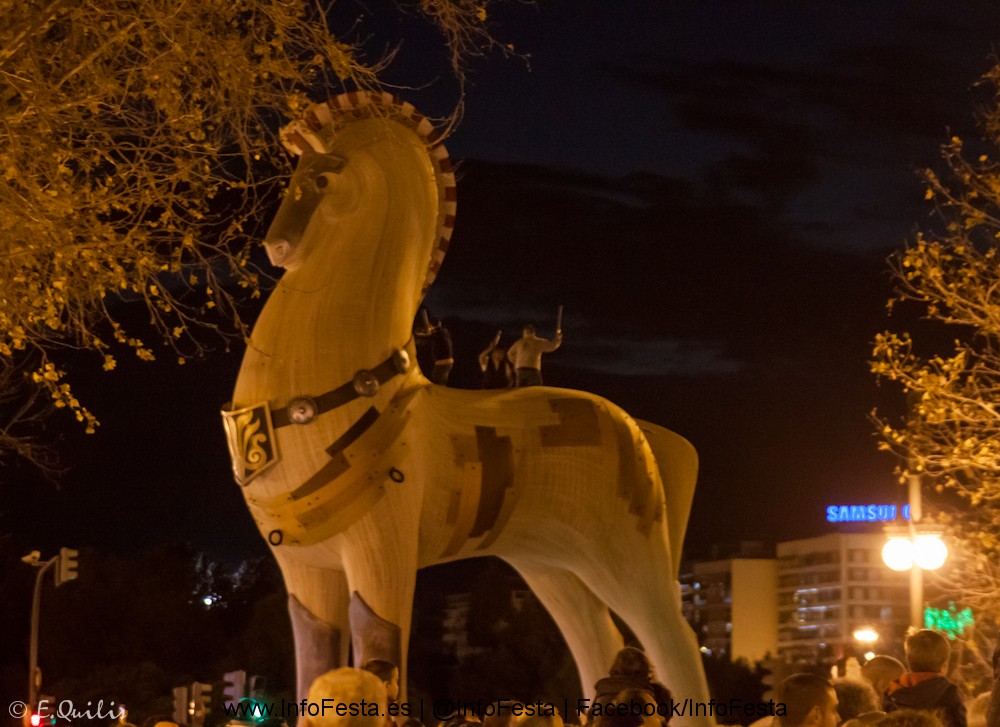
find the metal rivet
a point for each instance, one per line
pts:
(275, 537)
(396, 475)
(366, 383)
(302, 410)
(401, 360)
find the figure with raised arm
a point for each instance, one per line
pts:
(526, 355)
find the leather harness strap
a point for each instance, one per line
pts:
(399, 361)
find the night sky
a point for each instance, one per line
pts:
(710, 188)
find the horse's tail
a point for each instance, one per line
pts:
(677, 461)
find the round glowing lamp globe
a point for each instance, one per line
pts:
(866, 634)
(929, 551)
(897, 553)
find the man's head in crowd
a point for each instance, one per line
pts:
(388, 673)
(855, 697)
(351, 686)
(882, 671)
(809, 701)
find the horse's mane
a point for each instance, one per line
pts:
(321, 122)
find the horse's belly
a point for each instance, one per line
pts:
(539, 490)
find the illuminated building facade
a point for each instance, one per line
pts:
(829, 587)
(804, 605)
(737, 601)
(731, 603)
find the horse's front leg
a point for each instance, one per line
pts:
(379, 554)
(317, 606)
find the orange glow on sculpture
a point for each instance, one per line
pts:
(359, 471)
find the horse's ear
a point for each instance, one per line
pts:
(299, 137)
(323, 170)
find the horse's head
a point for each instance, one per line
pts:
(315, 177)
(372, 194)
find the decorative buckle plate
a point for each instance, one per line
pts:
(250, 436)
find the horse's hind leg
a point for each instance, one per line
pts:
(582, 617)
(639, 587)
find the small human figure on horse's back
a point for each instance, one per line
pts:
(526, 355)
(498, 373)
(434, 333)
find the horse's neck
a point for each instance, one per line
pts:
(321, 336)
(363, 297)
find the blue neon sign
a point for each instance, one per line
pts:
(866, 513)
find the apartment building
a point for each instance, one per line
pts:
(732, 605)
(804, 605)
(831, 586)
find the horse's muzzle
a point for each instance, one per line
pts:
(279, 252)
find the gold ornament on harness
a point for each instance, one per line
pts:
(250, 436)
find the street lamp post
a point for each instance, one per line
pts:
(916, 572)
(920, 550)
(33, 558)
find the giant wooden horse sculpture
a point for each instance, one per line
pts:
(359, 471)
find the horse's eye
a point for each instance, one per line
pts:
(322, 181)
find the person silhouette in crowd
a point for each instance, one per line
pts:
(881, 671)
(810, 701)
(925, 686)
(351, 686)
(630, 671)
(389, 674)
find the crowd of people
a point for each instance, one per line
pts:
(885, 693)
(502, 368)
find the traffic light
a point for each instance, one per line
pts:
(181, 705)
(42, 714)
(257, 686)
(201, 701)
(234, 686)
(775, 671)
(46, 711)
(253, 707)
(67, 565)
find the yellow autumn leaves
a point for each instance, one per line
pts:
(137, 144)
(950, 369)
